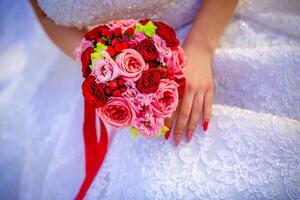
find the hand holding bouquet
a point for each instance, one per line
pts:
(134, 74)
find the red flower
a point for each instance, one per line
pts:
(149, 81)
(111, 51)
(167, 33)
(118, 48)
(118, 32)
(130, 31)
(147, 49)
(109, 35)
(86, 61)
(93, 92)
(181, 87)
(95, 33)
(144, 21)
(115, 41)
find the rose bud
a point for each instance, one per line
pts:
(118, 32)
(107, 91)
(101, 40)
(113, 85)
(109, 35)
(115, 41)
(130, 31)
(118, 48)
(111, 51)
(123, 89)
(116, 93)
(124, 45)
(105, 32)
(121, 82)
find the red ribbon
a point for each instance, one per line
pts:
(94, 151)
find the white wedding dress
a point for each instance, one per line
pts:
(250, 151)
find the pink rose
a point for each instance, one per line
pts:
(83, 46)
(165, 98)
(124, 24)
(131, 64)
(164, 52)
(117, 112)
(178, 62)
(105, 69)
(148, 124)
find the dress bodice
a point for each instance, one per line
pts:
(89, 12)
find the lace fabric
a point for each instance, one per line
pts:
(244, 155)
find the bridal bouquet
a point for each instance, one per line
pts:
(134, 74)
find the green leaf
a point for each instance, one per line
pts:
(133, 132)
(163, 131)
(148, 29)
(100, 47)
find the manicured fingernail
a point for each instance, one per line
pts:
(177, 139)
(189, 135)
(205, 125)
(167, 134)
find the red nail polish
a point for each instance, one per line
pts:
(167, 134)
(205, 125)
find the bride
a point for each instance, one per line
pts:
(245, 146)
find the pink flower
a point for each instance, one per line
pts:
(136, 99)
(105, 69)
(131, 64)
(139, 36)
(148, 124)
(117, 112)
(178, 62)
(165, 98)
(124, 24)
(83, 45)
(164, 52)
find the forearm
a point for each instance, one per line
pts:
(210, 22)
(66, 38)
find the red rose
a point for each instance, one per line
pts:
(93, 92)
(181, 87)
(149, 81)
(147, 49)
(167, 33)
(86, 61)
(95, 33)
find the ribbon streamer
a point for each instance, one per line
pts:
(95, 151)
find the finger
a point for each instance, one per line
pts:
(208, 100)
(183, 115)
(168, 123)
(195, 115)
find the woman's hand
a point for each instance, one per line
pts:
(199, 47)
(198, 97)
